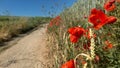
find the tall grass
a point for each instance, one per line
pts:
(63, 50)
(11, 26)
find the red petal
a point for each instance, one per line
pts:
(97, 18)
(71, 30)
(50, 24)
(69, 64)
(98, 13)
(58, 17)
(73, 38)
(93, 11)
(110, 46)
(92, 19)
(99, 25)
(55, 21)
(75, 33)
(111, 20)
(79, 31)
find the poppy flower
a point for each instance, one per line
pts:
(109, 6)
(55, 21)
(108, 45)
(69, 64)
(75, 33)
(98, 18)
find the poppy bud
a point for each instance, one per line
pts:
(97, 59)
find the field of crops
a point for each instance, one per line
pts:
(11, 26)
(86, 35)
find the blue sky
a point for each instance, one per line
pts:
(33, 7)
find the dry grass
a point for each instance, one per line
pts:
(12, 26)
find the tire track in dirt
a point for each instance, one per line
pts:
(29, 52)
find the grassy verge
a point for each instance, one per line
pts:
(11, 26)
(63, 50)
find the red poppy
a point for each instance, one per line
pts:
(58, 20)
(55, 21)
(69, 64)
(109, 6)
(108, 45)
(99, 19)
(75, 33)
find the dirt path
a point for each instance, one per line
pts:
(28, 52)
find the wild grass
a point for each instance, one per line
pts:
(63, 50)
(11, 26)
